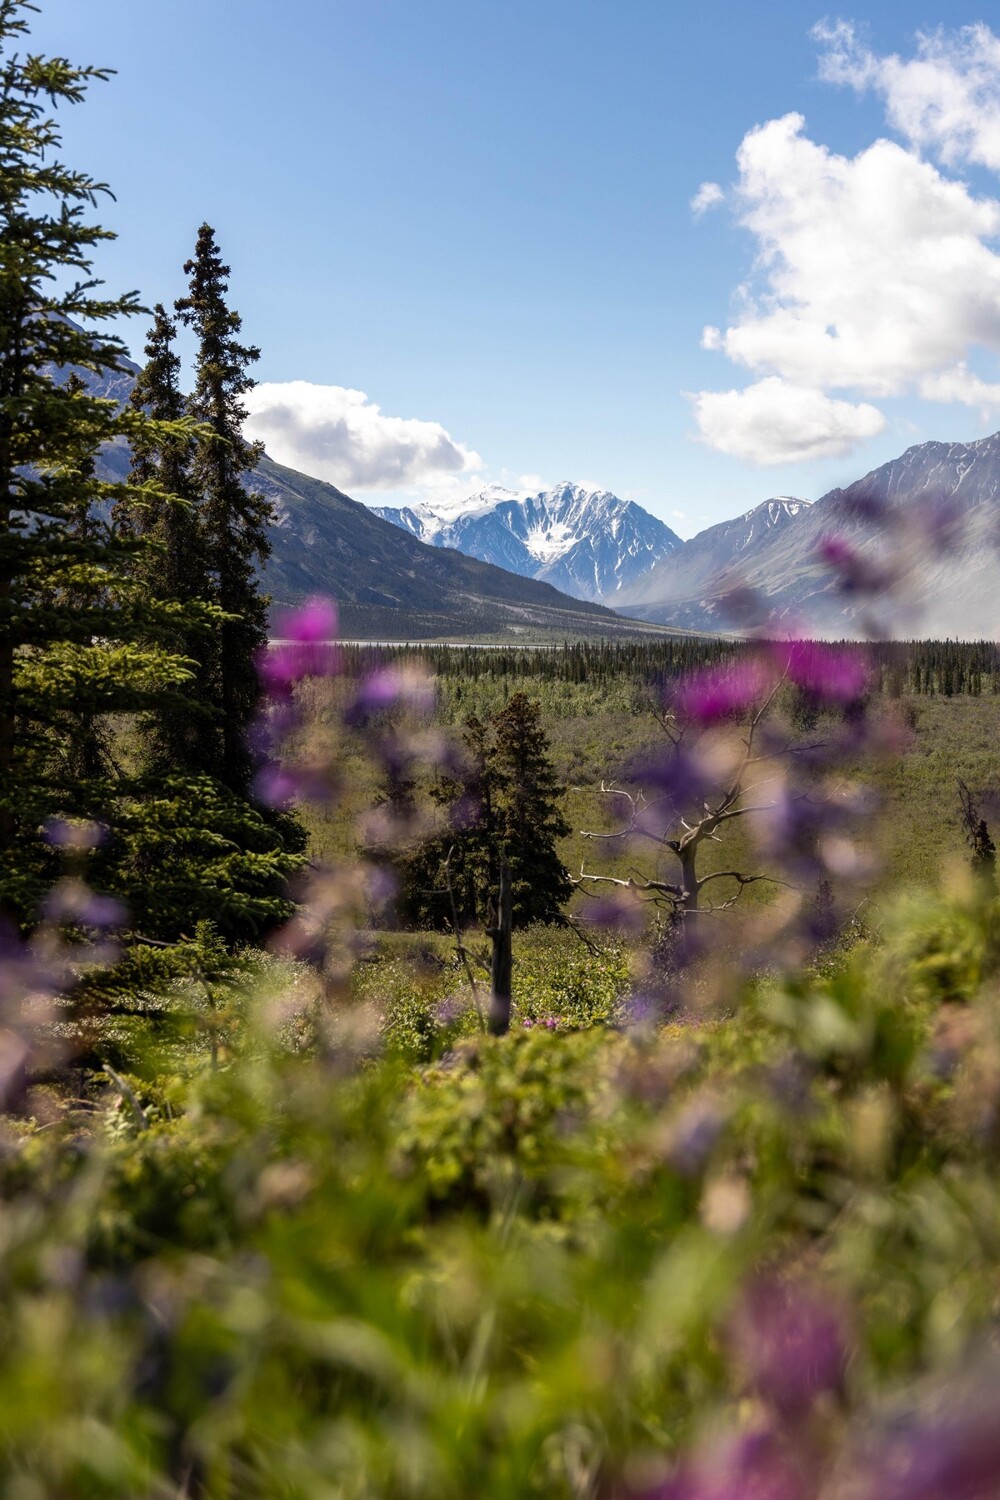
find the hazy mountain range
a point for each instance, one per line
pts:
(914, 547)
(926, 527)
(387, 583)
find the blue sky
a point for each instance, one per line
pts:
(475, 216)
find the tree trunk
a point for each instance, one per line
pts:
(502, 956)
(689, 878)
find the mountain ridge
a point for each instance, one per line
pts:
(386, 582)
(927, 522)
(588, 543)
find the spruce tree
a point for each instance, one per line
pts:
(506, 803)
(86, 643)
(80, 639)
(526, 798)
(234, 519)
(164, 508)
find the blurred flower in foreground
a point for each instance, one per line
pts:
(719, 692)
(73, 901)
(952, 1453)
(78, 834)
(391, 687)
(753, 1466)
(791, 1340)
(856, 572)
(305, 647)
(830, 674)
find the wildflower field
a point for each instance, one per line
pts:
(717, 1217)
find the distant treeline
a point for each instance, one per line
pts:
(897, 667)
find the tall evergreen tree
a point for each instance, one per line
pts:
(505, 805)
(527, 797)
(164, 508)
(79, 637)
(234, 520)
(84, 639)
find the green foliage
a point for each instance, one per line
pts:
(79, 636)
(233, 520)
(181, 733)
(516, 1271)
(507, 803)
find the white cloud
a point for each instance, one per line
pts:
(875, 267)
(876, 275)
(533, 484)
(709, 195)
(341, 436)
(960, 384)
(774, 422)
(946, 99)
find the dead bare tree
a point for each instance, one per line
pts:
(693, 807)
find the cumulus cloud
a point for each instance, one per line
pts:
(775, 422)
(709, 195)
(961, 384)
(945, 99)
(340, 435)
(876, 274)
(876, 268)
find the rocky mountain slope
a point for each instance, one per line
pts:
(910, 548)
(714, 560)
(590, 544)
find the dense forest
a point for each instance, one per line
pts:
(455, 1072)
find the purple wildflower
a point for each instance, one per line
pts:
(720, 692)
(832, 674)
(857, 574)
(75, 834)
(793, 1343)
(74, 901)
(808, 835)
(621, 910)
(390, 687)
(939, 520)
(14, 1055)
(950, 1456)
(694, 1134)
(315, 623)
(277, 785)
(863, 506)
(753, 1466)
(305, 647)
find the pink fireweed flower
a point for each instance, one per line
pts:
(305, 647)
(720, 692)
(833, 674)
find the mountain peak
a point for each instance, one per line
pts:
(590, 543)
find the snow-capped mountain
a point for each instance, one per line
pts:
(590, 544)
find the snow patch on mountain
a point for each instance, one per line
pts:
(589, 543)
